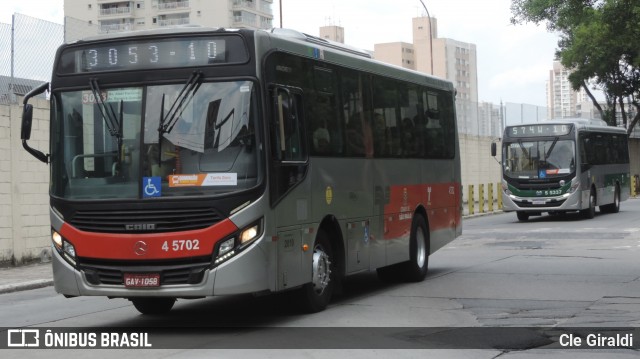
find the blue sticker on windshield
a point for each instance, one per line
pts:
(542, 174)
(151, 187)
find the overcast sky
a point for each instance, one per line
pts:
(513, 61)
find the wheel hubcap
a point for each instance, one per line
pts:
(321, 270)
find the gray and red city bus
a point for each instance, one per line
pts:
(193, 162)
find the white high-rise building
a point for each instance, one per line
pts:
(562, 100)
(118, 16)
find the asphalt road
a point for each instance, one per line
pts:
(549, 272)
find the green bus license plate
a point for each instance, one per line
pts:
(141, 280)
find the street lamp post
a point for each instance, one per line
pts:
(430, 37)
(281, 14)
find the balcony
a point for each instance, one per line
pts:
(173, 5)
(173, 21)
(111, 28)
(115, 11)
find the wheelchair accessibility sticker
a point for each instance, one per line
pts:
(151, 187)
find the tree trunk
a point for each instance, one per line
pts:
(635, 120)
(593, 99)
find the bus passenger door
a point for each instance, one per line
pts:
(288, 188)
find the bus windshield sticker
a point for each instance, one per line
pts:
(204, 180)
(151, 187)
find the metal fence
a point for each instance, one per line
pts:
(27, 50)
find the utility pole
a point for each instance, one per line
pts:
(281, 14)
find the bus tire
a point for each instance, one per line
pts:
(151, 305)
(590, 212)
(416, 268)
(315, 296)
(522, 216)
(615, 206)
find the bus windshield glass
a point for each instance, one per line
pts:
(155, 141)
(539, 159)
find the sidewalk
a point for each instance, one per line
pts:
(13, 279)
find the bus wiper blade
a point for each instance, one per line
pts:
(107, 112)
(178, 106)
(553, 144)
(114, 124)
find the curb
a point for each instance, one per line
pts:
(33, 284)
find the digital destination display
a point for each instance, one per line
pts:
(539, 130)
(152, 54)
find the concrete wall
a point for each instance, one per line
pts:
(24, 187)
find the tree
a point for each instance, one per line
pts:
(599, 42)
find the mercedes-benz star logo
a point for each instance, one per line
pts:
(140, 248)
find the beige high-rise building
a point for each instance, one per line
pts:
(453, 60)
(118, 16)
(562, 100)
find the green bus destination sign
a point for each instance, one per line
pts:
(539, 130)
(152, 54)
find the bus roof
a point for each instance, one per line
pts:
(333, 52)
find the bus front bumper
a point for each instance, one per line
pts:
(245, 273)
(565, 203)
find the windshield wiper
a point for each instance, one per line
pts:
(553, 144)
(175, 111)
(112, 122)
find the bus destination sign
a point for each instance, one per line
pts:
(539, 130)
(152, 54)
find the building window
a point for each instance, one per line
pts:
(89, 6)
(140, 4)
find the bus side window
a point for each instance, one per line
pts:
(287, 132)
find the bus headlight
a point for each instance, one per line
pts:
(505, 187)
(64, 247)
(249, 234)
(575, 183)
(229, 247)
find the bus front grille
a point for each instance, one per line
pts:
(144, 221)
(106, 273)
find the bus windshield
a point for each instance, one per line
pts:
(155, 141)
(539, 159)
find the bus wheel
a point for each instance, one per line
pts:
(590, 212)
(522, 216)
(153, 305)
(615, 206)
(317, 294)
(416, 268)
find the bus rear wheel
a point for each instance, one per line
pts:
(317, 294)
(615, 206)
(590, 212)
(153, 305)
(416, 268)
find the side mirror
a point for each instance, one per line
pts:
(27, 120)
(494, 149)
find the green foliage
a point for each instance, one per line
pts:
(599, 41)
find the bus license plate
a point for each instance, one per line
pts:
(141, 280)
(538, 202)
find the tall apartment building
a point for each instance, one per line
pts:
(562, 100)
(118, 16)
(453, 60)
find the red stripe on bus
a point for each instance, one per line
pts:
(145, 246)
(439, 199)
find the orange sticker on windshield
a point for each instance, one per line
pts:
(204, 180)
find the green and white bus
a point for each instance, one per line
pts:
(194, 162)
(561, 166)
